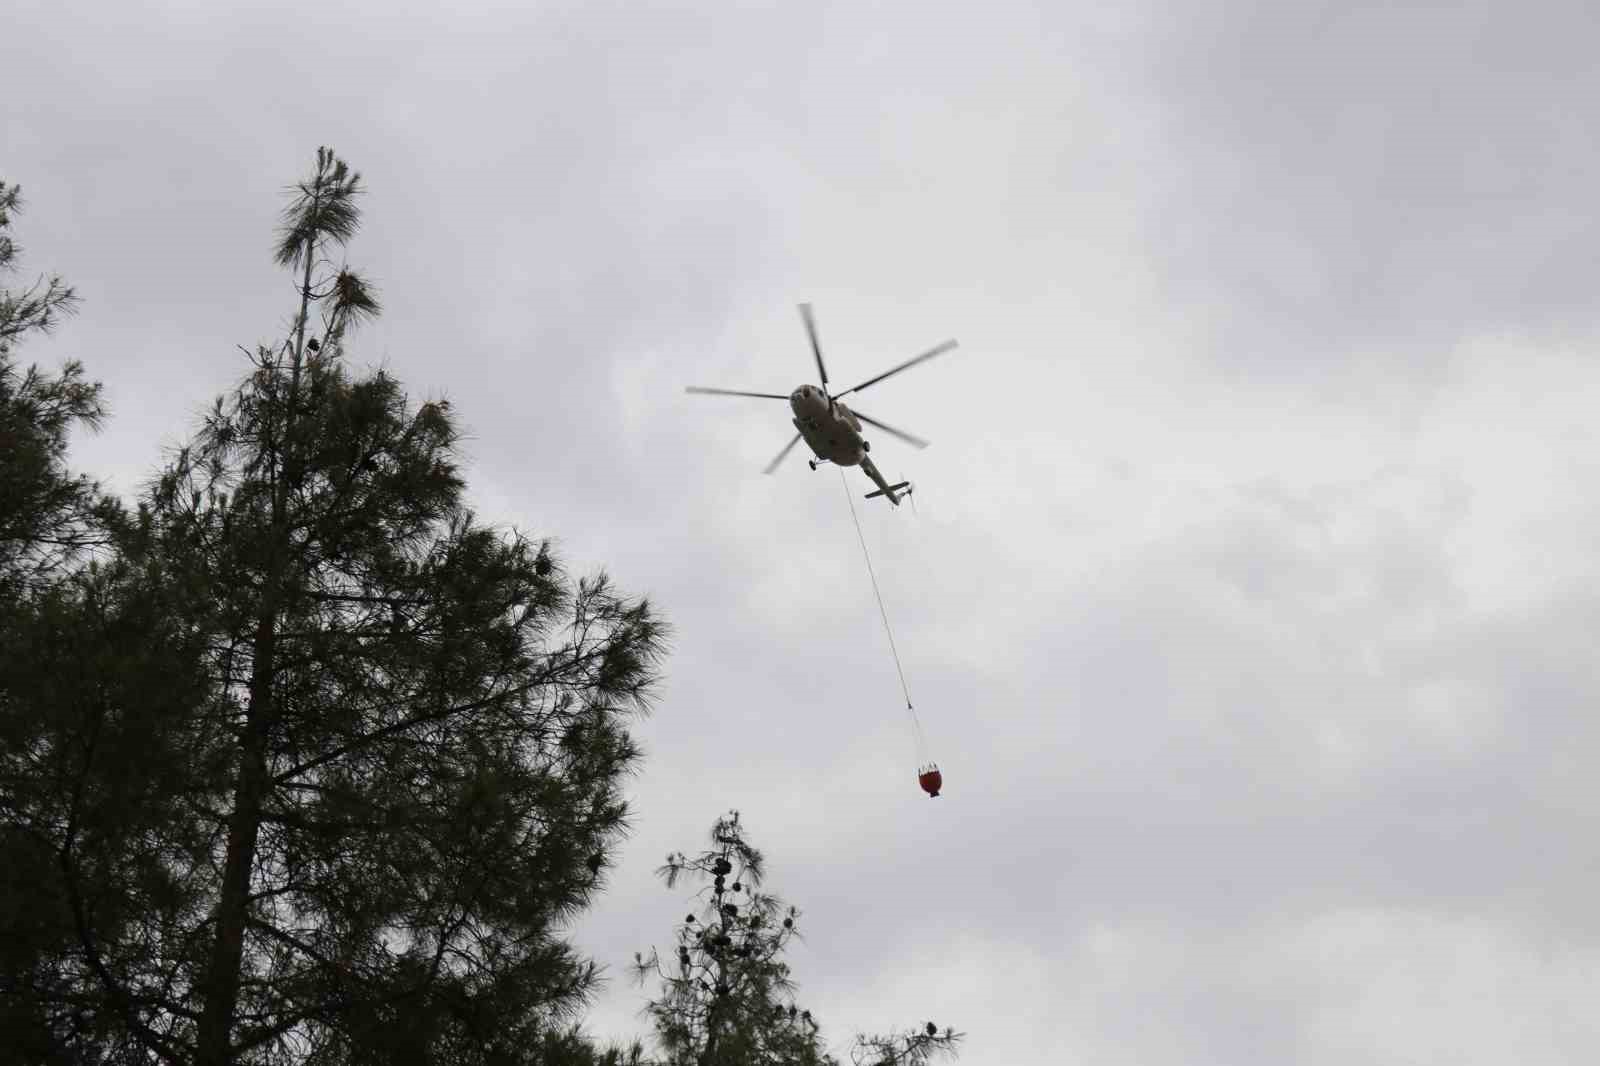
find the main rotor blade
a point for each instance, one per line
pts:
(774, 464)
(916, 442)
(907, 365)
(701, 390)
(816, 348)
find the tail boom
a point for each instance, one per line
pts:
(894, 492)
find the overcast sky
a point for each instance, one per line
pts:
(1250, 596)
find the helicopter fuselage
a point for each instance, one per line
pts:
(830, 429)
(833, 434)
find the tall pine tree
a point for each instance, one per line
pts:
(371, 766)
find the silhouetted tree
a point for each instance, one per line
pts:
(47, 515)
(42, 304)
(100, 673)
(52, 651)
(340, 805)
(726, 995)
(912, 1047)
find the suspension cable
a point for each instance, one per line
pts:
(916, 724)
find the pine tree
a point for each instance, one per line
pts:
(393, 772)
(910, 1047)
(99, 673)
(43, 304)
(727, 998)
(55, 618)
(48, 516)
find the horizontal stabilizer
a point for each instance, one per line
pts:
(892, 488)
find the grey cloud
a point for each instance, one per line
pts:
(1246, 601)
(1350, 179)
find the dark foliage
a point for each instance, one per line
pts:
(726, 995)
(37, 308)
(92, 665)
(48, 517)
(318, 768)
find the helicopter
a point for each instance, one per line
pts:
(830, 429)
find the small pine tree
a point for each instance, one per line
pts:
(727, 998)
(910, 1047)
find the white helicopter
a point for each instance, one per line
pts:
(830, 429)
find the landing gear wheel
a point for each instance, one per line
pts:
(812, 463)
(866, 445)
